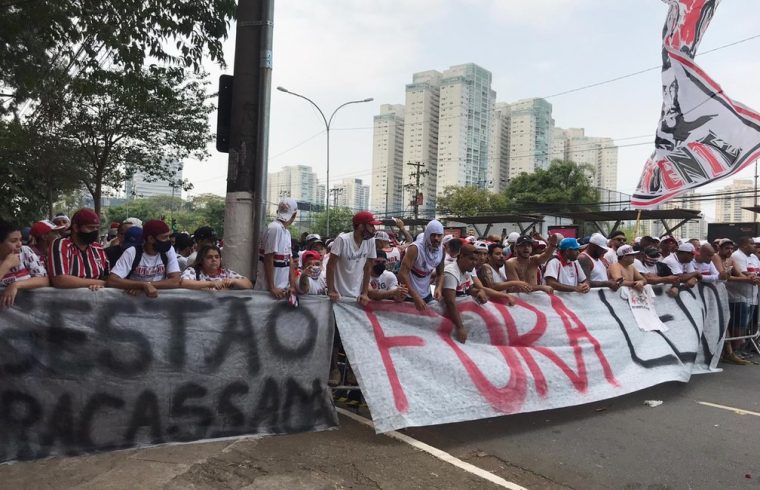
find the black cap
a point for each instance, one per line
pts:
(652, 252)
(204, 233)
(523, 239)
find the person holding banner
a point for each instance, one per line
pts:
(681, 265)
(276, 271)
(350, 262)
(594, 264)
(623, 271)
(79, 261)
(208, 273)
(383, 283)
(525, 266)
(563, 273)
(423, 257)
(492, 274)
(20, 268)
(459, 281)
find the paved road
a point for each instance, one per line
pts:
(623, 444)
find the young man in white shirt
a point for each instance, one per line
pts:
(617, 239)
(563, 273)
(148, 268)
(705, 265)
(350, 262)
(383, 283)
(458, 280)
(681, 264)
(276, 271)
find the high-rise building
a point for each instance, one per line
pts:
(696, 228)
(498, 150)
(296, 181)
(388, 160)
(464, 126)
(599, 155)
(350, 193)
(421, 141)
(143, 185)
(728, 209)
(530, 136)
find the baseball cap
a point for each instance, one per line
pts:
(512, 238)
(134, 222)
(539, 244)
(132, 237)
(686, 247)
(470, 239)
(481, 246)
(154, 228)
(725, 241)
(61, 217)
(524, 240)
(84, 217)
(626, 250)
(599, 240)
(446, 239)
(313, 238)
(668, 239)
(364, 218)
(652, 252)
(311, 255)
(286, 209)
(41, 228)
(569, 244)
(383, 236)
(204, 233)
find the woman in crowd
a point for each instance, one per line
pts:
(208, 273)
(20, 268)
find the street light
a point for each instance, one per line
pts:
(328, 122)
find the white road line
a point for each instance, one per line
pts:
(738, 411)
(442, 455)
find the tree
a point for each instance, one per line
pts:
(124, 122)
(468, 201)
(187, 215)
(340, 221)
(563, 182)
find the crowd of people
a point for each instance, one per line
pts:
(369, 264)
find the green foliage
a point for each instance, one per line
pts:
(563, 182)
(468, 201)
(340, 221)
(202, 210)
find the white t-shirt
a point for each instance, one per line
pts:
(643, 268)
(318, 285)
(611, 256)
(454, 278)
(386, 281)
(190, 275)
(150, 269)
(349, 271)
(275, 240)
(567, 273)
(677, 267)
(743, 292)
(393, 260)
(708, 271)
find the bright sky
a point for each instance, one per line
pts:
(342, 50)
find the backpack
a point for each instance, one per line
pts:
(138, 257)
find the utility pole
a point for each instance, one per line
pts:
(336, 191)
(245, 204)
(416, 174)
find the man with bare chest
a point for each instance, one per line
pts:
(525, 267)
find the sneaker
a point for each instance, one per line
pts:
(734, 359)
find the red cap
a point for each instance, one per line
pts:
(364, 218)
(85, 216)
(42, 228)
(311, 255)
(114, 224)
(154, 228)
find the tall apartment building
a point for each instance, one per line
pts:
(143, 185)
(421, 139)
(728, 209)
(350, 193)
(296, 181)
(464, 126)
(599, 154)
(694, 228)
(388, 161)
(530, 136)
(498, 149)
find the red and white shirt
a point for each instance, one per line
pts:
(30, 266)
(65, 258)
(567, 273)
(220, 275)
(275, 240)
(454, 278)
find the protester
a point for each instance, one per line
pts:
(43, 233)
(112, 232)
(451, 246)
(742, 288)
(526, 267)
(64, 222)
(510, 244)
(79, 261)
(594, 264)
(148, 268)
(277, 269)
(204, 235)
(114, 251)
(183, 247)
(650, 266)
(668, 245)
(459, 281)
(20, 268)
(422, 259)
(383, 283)
(681, 264)
(616, 240)
(350, 264)
(493, 275)
(563, 273)
(481, 254)
(209, 273)
(725, 248)
(312, 279)
(623, 272)
(704, 264)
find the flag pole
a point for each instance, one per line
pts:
(636, 228)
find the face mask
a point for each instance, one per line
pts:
(378, 269)
(314, 272)
(88, 238)
(163, 247)
(649, 261)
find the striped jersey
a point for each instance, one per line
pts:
(65, 258)
(30, 266)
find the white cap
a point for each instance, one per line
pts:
(447, 239)
(313, 238)
(471, 239)
(756, 240)
(625, 250)
(512, 238)
(481, 246)
(134, 222)
(381, 235)
(686, 247)
(599, 240)
(286, 209)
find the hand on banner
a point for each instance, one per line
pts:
(98, 285)
(420, 304)
(363, 299)
(544, 288)
(333, 295)
(278, 293)
(150, 290)
(461, 334)
(639, 286)
(9, 294)
(481, 297)
(673, 291)
(582, 288)
(438, 294)
(399, 294)
(615, 285)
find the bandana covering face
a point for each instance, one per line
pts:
(430, 256)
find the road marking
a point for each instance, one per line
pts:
(442, 455)
(738, 411)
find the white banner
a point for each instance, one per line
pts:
(547, 351)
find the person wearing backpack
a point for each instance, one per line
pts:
(149, 267)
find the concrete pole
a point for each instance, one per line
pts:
(245, 204)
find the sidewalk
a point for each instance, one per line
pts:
(350, 457)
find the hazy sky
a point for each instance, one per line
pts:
(333, 51)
